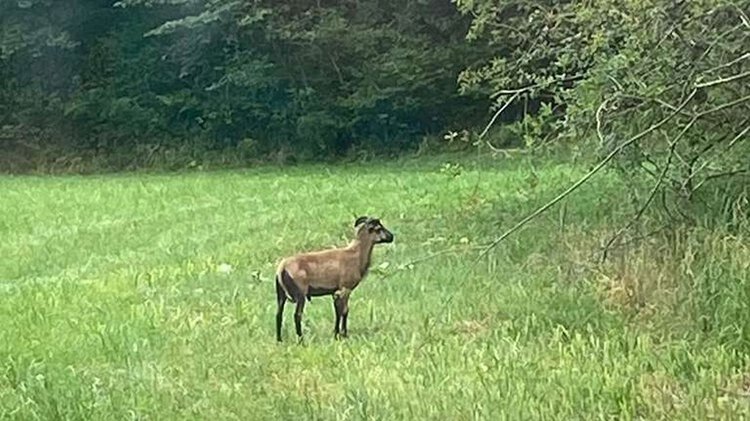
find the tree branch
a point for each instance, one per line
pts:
(497, 114)
(723, 80)
(658, 101)
(654, 190)
(427, 257)
(536, 86)
(720, 175)
(736, 139)
(733, 62)
(586, 177)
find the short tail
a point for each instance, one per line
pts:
(288, 285)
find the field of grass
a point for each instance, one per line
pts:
(113, 305)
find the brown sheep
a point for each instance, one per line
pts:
(335, 272)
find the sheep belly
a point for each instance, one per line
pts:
(320, 291)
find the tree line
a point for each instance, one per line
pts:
(139, 81)
(295, 80)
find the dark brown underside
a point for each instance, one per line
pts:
(319, 292)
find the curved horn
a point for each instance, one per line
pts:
(360, 220)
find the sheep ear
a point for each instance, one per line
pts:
(360, 220)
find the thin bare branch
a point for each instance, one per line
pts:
(723, 80)
(535, 86)
(720, 175)
(743, 17)
(658, 101)
(405, 266)
(336, 68)
(729, 104)
(586, 177)
(728, 64)
(713, 144)
(719, 39)
(740, 136)
(654, 190)
(497, 114)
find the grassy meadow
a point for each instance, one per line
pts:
(116, 302)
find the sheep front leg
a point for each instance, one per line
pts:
(337, 311)
(341, 303)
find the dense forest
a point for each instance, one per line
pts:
(299, 80)
(152, 82)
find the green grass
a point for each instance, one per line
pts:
(112, 306)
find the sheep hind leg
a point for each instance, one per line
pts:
(298, 315)
(344, 316)
(280, 301)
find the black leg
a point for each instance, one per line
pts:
(298, 315)
(280, 300)
(337, 310)
(342, 299)
(344, 330)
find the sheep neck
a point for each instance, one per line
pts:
(362, 246)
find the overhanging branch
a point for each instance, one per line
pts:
(586, 177)
(654, 190)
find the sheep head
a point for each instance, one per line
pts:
(373, 228)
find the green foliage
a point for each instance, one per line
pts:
(594, 74)
(305, 79)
